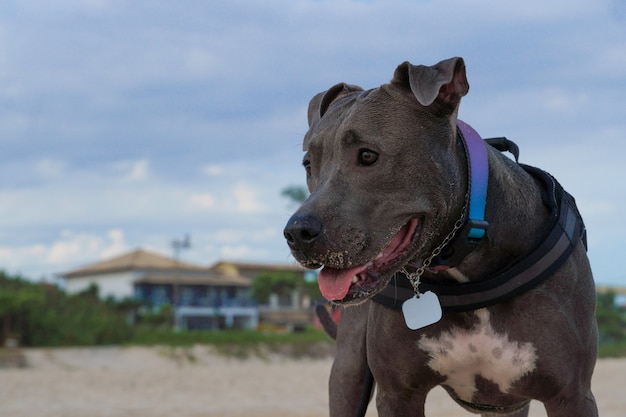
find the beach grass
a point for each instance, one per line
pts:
(612, 349)
(310, 342)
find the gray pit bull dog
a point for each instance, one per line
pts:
(390, 171)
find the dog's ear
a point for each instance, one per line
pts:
(438, 88)
(322, 101)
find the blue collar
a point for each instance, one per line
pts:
(478, 179)
(474, 227)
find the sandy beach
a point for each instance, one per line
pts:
(197, 382)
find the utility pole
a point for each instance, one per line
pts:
(177, 246)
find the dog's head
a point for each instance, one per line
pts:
(386, 178)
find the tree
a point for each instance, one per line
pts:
(282, 283)
(279, 282)
(611, 320)
(295, 193)
(16, 299)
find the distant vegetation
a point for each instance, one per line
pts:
(282, 283)
(311, 343)
(40, 314)
(297, 194)
(37, 314)
(611, 326)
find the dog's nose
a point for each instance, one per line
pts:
(302, 230)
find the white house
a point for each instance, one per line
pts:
(202, 297)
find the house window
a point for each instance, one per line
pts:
(140, 292)
(159, 295)
(187, 296)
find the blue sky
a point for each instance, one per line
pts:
(128, 124)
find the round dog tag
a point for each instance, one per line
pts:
(421, 312)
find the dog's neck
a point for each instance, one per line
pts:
(489, 239)
(470, 228)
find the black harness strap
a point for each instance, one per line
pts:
(396, 292)
(565, 229)
(504, 145)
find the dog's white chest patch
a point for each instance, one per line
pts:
(463, 354)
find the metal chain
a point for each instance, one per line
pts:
(414, 277)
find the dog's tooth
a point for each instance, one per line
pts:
(355, 279)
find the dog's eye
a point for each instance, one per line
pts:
(367, 157)
(307, 167)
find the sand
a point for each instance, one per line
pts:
(156, 382)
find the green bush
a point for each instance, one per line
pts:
(611, 319)
(612, 349)
(241, 343)
(149, 337)
(40, 314)
(282, 283)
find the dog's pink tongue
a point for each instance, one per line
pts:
(335, 283)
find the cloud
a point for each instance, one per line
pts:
(202, 201)
(133, 170)
(76, 245)
(116, 244)
(233, 235)
(49, 167)
(201, 61)
(241, 251)
(67, 250)
(247, 199)
(535, 11)
(71, 246)
(213, 170)
(557, 100)
(28, 256)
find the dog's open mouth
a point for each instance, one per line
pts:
(364, 280)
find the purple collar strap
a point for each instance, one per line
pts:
(478, 179)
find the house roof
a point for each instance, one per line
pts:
(607, 288)
(227, 266)
(137, 259)
(207, 278)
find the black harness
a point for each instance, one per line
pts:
(563, 231)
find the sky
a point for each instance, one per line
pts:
(129, 124)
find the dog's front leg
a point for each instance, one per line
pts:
(581, 405)
(400, 406)
(350, 383)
